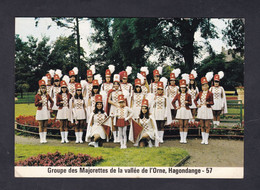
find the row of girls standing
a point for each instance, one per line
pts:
(166, 103)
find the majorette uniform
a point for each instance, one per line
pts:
(219, 96)
(43, 113)
(193, 92)
(106, 87)
(54, 91)
(205, 111)
(121, 121)
(153, 86)
(87, 86)
(126, 87)
(184, 111)
(149, 128)
(94, 125)
(78, 111)
(172, 90)
(136, 100)
(145, 86)
(48, 86)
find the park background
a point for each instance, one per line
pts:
(203, 44)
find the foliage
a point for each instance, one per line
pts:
(57, 159)
(133, 156)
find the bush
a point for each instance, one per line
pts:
(57, 159)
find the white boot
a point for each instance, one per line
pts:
(203, 137)
(218, 122)
(181, 137)
(66, 136)
(118, 138)
(80, 137)
(125, 142)
(185, 137)
(77, 137)
(150, 144)
(41, 137)
(91, 144)
(62, 134)
(135, 144)
(206, 138)
(44, 137)
(161, 133)
(95, 144)
(114, 135)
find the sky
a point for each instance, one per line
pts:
(26, 26)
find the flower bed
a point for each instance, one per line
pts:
(57, 159)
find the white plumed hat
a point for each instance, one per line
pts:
(176, 72)
(209, 76)
(128, 70)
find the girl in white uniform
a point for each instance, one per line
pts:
(219, 97)
(123, 114)
(72, 75)
(126, 87)
(153, 85)
(205, 114)
(148, 123)
(43, 110)
(193, 91)
(183, 110)
(136, 99)
(62, 101)
(87, 85)
(145, 86)
(95, 130)
(105, 87)
(79, 113)
(54, 91)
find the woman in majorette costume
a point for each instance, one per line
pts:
(148, 123)
(62, 101)
(156, 77)
(126, 87)
(94, 129)
(205, 114)
(123, 114)
(193, 91)
(43, 110)
(145, 86)
(91, 99)
(112, 103)
(87, 85)
(107, 85)
(136, 99)
(172, 90)
(71, 86)
(219, 97)
(79, 114)
(161, 109)
(49, 76)
(183, 110)
(55, 90)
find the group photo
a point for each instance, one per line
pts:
(166, 92)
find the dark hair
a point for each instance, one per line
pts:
(54, 83)
(146, 115)
(78, 96)
(97, 110)
(186, 89)
(213, 83)
(135, 91)
(116, 82)
(67, 91)
(193, 86)
(92, 91)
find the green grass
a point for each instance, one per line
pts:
(163, 156)
(25, 109)
(28, 97)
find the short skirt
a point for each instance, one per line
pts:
(80, 114)
(43, 114)
(63, 113)
(204, 112)
(183, 113)
(217, 104)
(122, 123)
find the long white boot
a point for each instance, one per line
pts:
(185, 137)
(181, 137)
(118, 137)
(160, 134)
(77, 137)
(44, 137)
(114, 135)
(62, 134)
(150, 144)
(41, 137)
(66, 136)
(80, 137)
(206, 138)
(96, 144)
(203, 137)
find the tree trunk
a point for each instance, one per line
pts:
(78, 48)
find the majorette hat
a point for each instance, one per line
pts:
(78, 86)
(191, 76)
(89, 73)
(98, 98)
(56, 77)
(172, 76)
(121, 98)
(160, 85)
(95, 83)
(116, 78)
(63, 83)
(48, 75)
(219, 76)
(182, 83)
(71, 73)
(143, 73)
(110, 70)
(156, 72)
(108, 73)
(204, 80)
(137, 82)
(42, 83)
(145, 102)
(123, 74)
(74, 71)
(216, 77)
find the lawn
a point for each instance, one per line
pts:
(163, 156)
(25, 109)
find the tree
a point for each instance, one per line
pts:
(234, 35)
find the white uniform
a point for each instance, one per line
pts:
(136, 103)
(183, 112)
(78, 109)
(64, 112)
(204, 112)
(53, 93)
(44, 113)
(105, 87)
(193, 93)
(72, 88)
(87, 88)
(172, 91)
(114, 97)
(153, 88)
(144, 90)
(219, 98)
(150, 128)
(159, 108)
